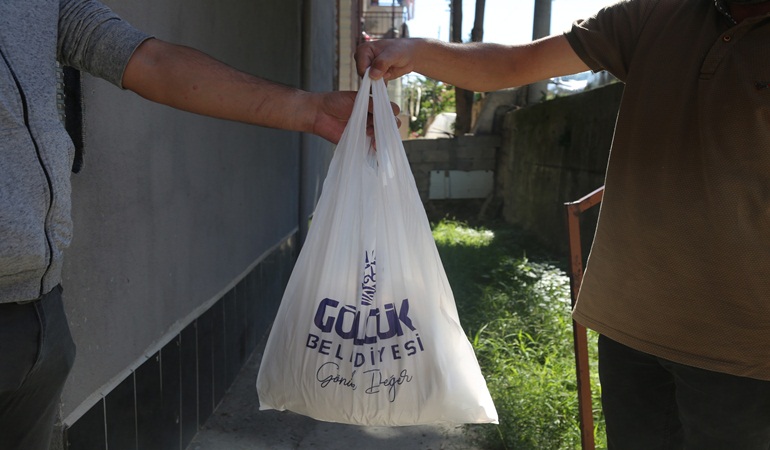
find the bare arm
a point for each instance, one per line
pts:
(476, 66)
(187, 79)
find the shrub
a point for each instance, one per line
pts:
(516, 312)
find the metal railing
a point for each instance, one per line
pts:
(580, 335)
(384, 24)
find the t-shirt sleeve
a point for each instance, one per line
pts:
(94, 39)
(608, 39)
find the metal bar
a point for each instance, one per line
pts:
(587, 202)
(579, 333)
(381, 23)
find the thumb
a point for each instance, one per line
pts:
(375, 73)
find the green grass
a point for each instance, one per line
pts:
(513, 299)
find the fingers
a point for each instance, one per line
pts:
(387, 59)
(395, 108)
(370, 121)
(331, 112)
(380, 69)
(365, 55)
(382, 65)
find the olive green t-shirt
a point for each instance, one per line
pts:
(680, 266)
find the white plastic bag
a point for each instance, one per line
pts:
(367, 332)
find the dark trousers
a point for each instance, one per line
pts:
(36, 355)
(650, 403)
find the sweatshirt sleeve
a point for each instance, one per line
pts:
(94, 39)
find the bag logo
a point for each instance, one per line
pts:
(347, 323)
(369, 282)
(367, 328)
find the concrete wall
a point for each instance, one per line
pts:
(467, 153)
(349, 12)
(319, 73)
(546, 154)
(178, 216)
(552, 153)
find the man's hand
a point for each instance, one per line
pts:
(331, 111)
(388, 58)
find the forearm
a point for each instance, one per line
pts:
(187, 79)
(481, 66)
(478, 67)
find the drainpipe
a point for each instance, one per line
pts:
(304, 141)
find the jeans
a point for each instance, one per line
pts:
(651, 403)
(36, 355)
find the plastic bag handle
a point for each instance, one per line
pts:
(356, 127)
(385, 128)
(354, 144)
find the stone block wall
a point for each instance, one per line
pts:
(467, 153)
(555, 152)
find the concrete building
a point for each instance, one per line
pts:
(186, 228)
(370, 19)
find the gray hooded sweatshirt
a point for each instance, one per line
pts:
(36, 153)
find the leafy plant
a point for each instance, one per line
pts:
(516, 312)
(425, 99)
